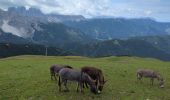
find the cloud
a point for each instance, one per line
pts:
(158, 9)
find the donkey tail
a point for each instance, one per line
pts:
(59, 81)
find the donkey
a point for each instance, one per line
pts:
(75, 75)
(95, 74)
(54, 69)
(150, 74)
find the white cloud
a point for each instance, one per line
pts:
(92, 8)
(148, 12)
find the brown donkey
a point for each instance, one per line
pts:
(95, 74)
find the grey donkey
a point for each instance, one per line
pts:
(75, 75)
(148, 73)
(54, 70)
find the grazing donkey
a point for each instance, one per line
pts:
(54, 69)
(95, 74)
(75, 75)
(150, 74)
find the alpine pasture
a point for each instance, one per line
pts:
(28, 78)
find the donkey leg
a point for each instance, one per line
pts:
(152, 81)
(86, 85)
(81, 87)
(83, 84)
(65, 84)
(51, 77)
(97, 84)
(59, 83)
(55, 76)
(78, 86)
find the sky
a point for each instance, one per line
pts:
(156, 9)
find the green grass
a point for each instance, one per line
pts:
(28, 78)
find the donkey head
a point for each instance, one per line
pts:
(161, 83)
(91, 82)
(161, 80)
(100, 87)
(101, 82)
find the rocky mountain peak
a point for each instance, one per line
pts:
(25, 12)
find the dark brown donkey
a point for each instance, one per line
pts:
(95, 74)
(54, 70)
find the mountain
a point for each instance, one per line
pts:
(29, 31)
(19, 20)
(18, 25)
(116, 47)
(59, 35)
(25, 12)
(121, 28)
(49, 34)
(34, 12)
(10, 38)
(32, 25)
(160, 42)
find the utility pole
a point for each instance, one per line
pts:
(46, 50)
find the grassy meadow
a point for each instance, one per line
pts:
(28, 78)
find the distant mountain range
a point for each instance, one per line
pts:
(19, 20)
(120, 28)
(34, 12)
(21, 28)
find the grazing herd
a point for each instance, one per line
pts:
(92, 77)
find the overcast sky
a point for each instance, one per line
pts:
(157, 9)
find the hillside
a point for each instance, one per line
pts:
(77, 44)
(131, 47)
(120, 28)
(9, 49)
(10, 38)
(27, 77)
(160, 42)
